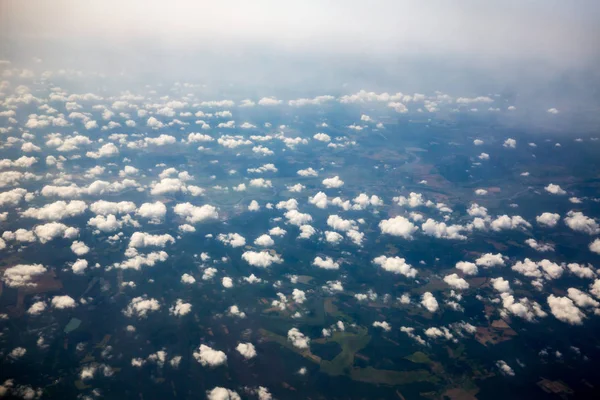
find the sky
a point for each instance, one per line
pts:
(545, 53)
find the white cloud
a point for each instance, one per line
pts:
(333, 183)
(396, 265)
(269, 101)
(22, 274)
(194, 214)
(456, 282)
(467, 268)
(232, 239)
(319, 200)
(383, 325)
(333, 237)
(209, 357)
(297, 218)
(298, 339)
(504, 222)
(103, 207)
(505, 368)
(307, 172)
(51, 230)
(56, 211)
(548, 219)
(141, 306)
(510, 143)
(247, 350)
(595, 246)
(429, 302)
(565, 310)
(326, 263)
(322, 137)
(79, 266)
(262, 259)
(264, 241)
(538, 246)
(500, 284)
(581, 223)
(398, 226)
(37, 308)
(442, 231)
(188, 279)
(62, 302)
(79, 248)
(143, 239)
(107, 150)
(490, 260)
(220, 393)
(180, 308)
(554, 189)
(155, 212)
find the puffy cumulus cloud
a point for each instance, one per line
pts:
(333, 183)
(582, 271)
(322, 137)
(467, 268)
(180, 308)
(154, 123)
(21, 162)
(413, 200)
(333, 287)
(264, 241)
(442, 231)
(383, 325)
(51, 230)
(12, 197)
(79, 248)
(232, 239)
(221, 393)
(299, 296)
(168, 185)
(291, 204)
(527, 268)
(362, 201)
(102, 207)
(396, 265)
(137, 261)
(554, 189)
(456, 282)
(306, 231)
(56, 211)
(326, 263)
(548, 219)
(297, 218)
(188, 279)
(107, 150)
(340, 224)
(235, 311)
(108, 223)
(523, 308)
(429, 302)
(195, 214)
(20, 235)
(247, 350)
(398, 226)
(510, 143)
(17, 352)
(582, 299)
(253, 206)
(269, 101)
(595, 288)
(581, 223)
(155, 212)
(504, 222)
(307, 172)
(22, 275)
(319, 100)
(490, 260)
(504, 368)
(475, 210)
(297, 188)
(62, 302)
(565, 310)
(298, 339)
(37, 308)
(333, 237)
(209, 357)
(143, 239)
(500, 284)
(141, 306)
(277, 231)
(319, 200)
(262, 259)
(261, 183)
(79, 266)
(538, 246)
(595, 246)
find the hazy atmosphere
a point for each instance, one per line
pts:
(299, 200)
